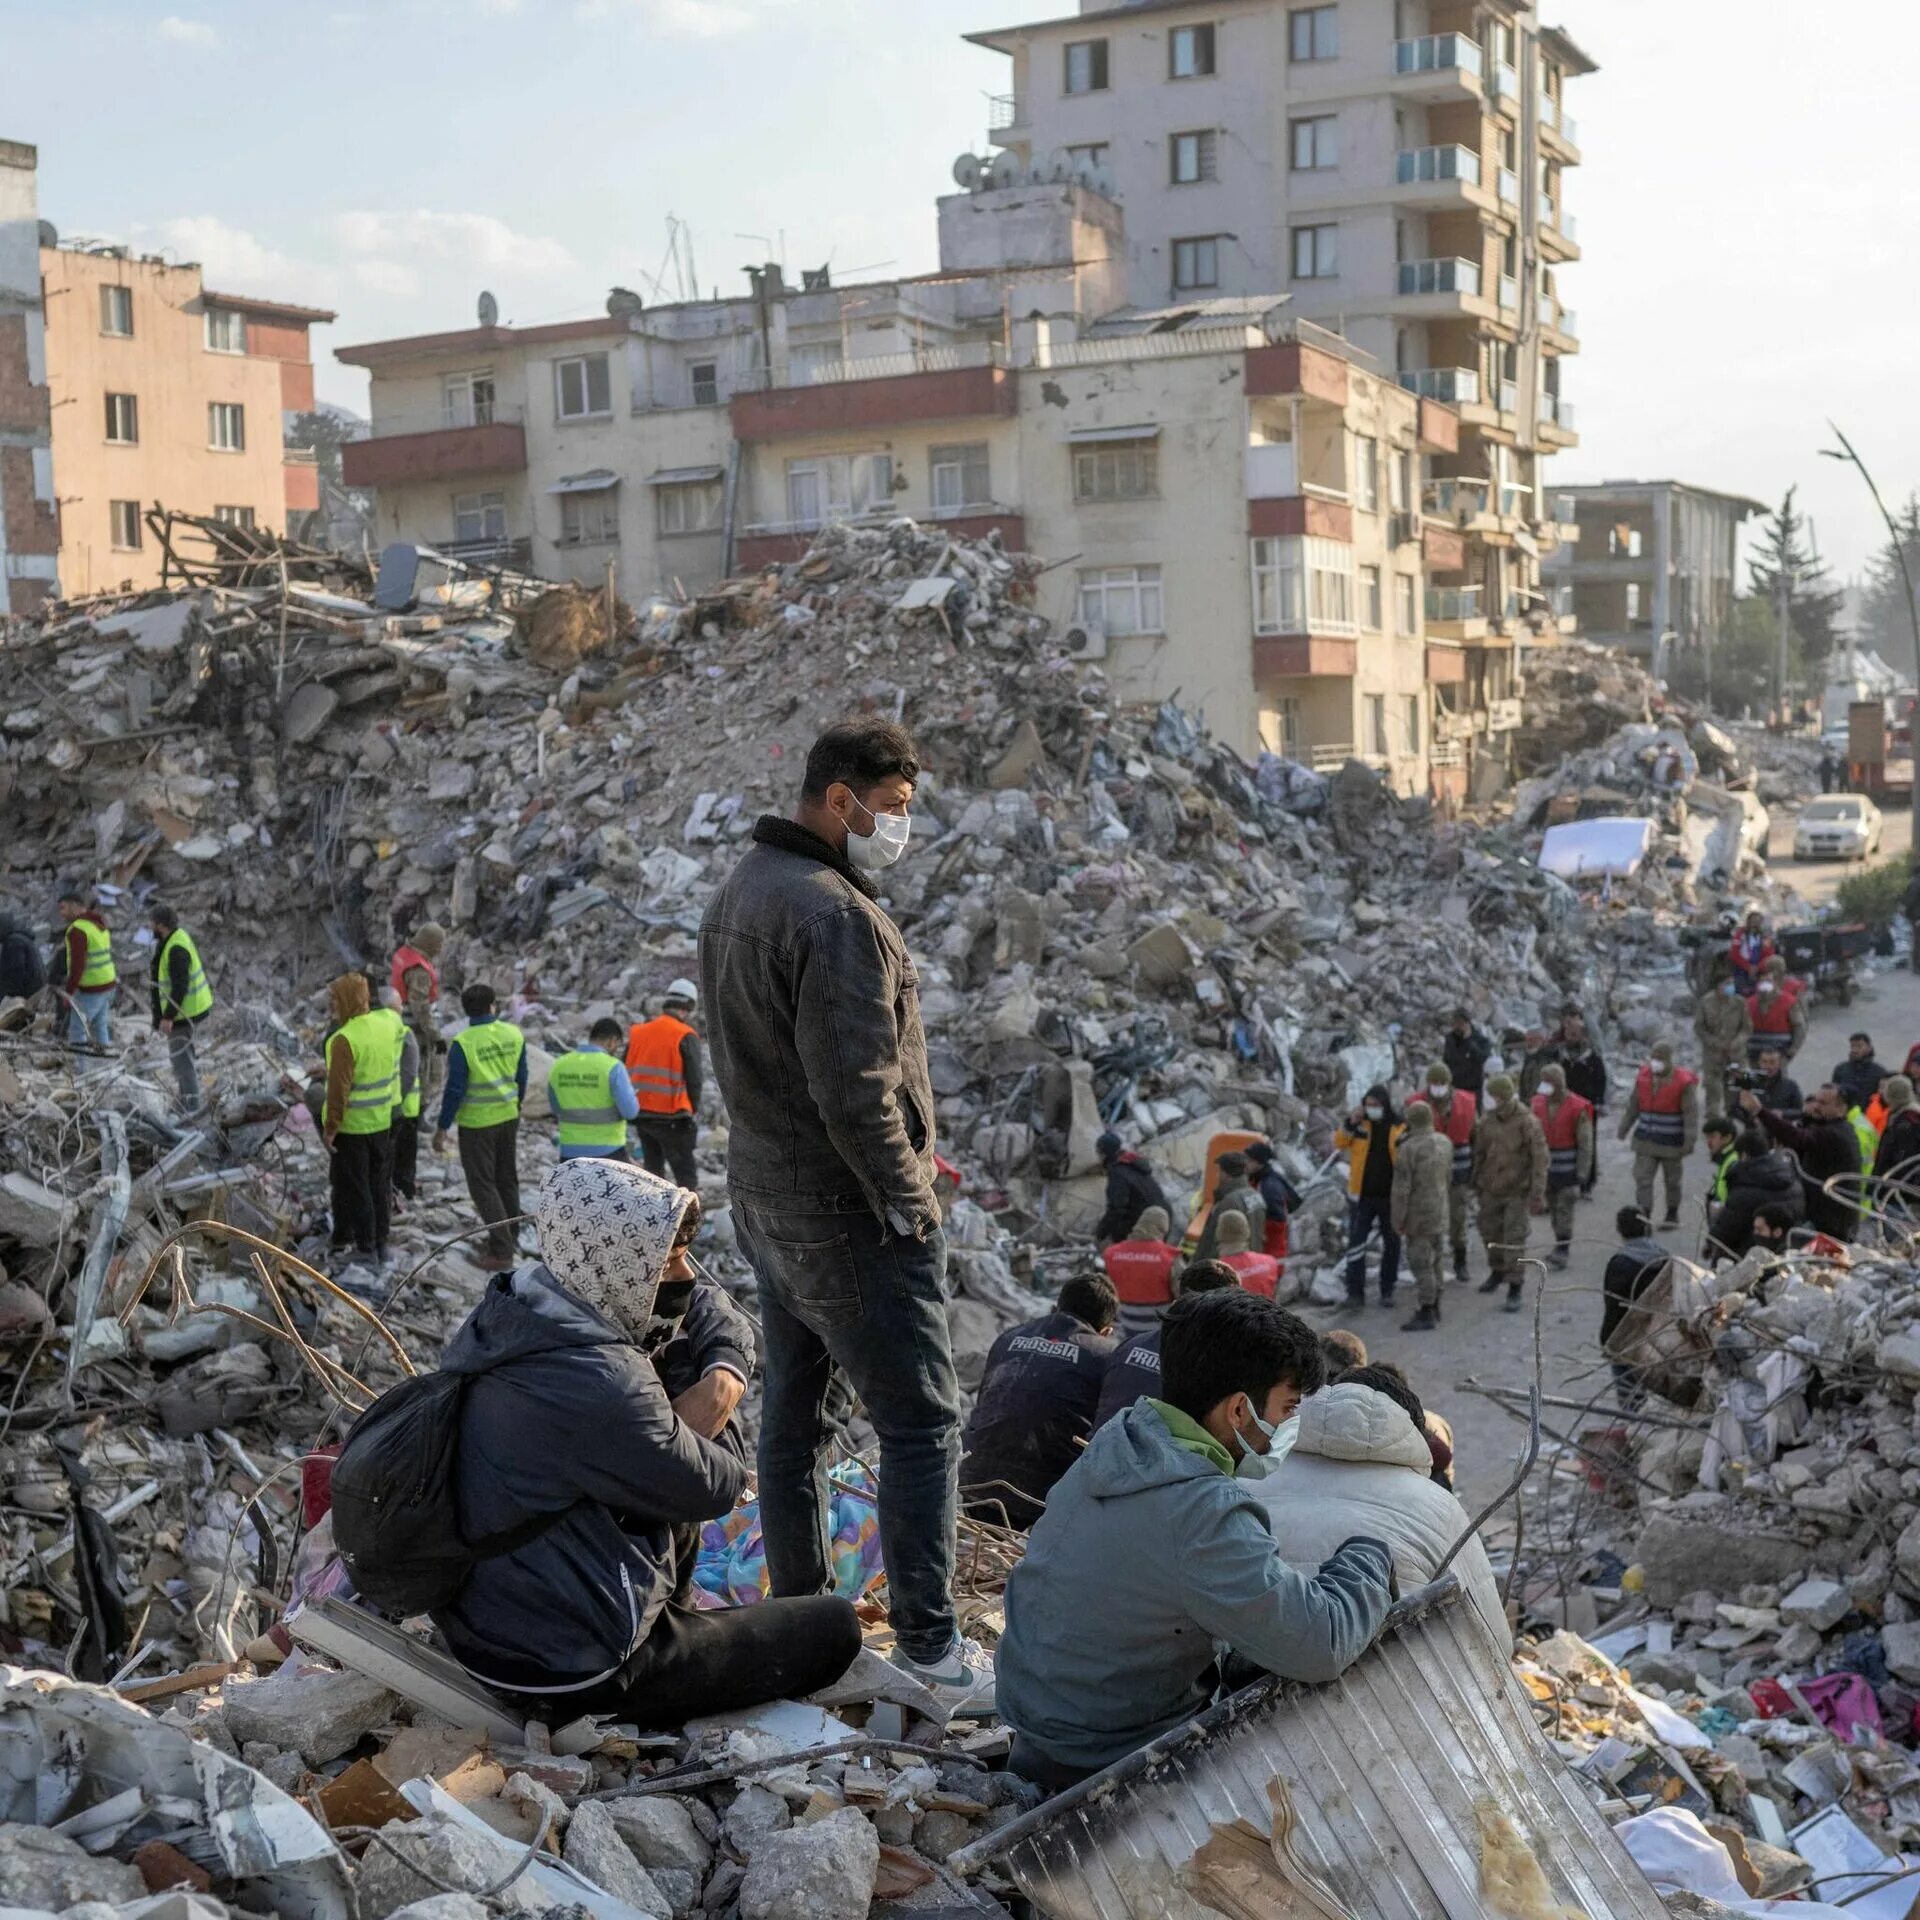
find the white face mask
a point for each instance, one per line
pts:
(1280, 1443)
(1439, 1092)
(1656, 1066)
(1374, 1113)
(870, 852)
(1766, 987)
(1547, 1088)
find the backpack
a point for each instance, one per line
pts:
(395, 1516)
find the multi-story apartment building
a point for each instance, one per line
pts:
(1653, 566)
(167, 394)
(29, 523)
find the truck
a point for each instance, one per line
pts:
(1879, 749)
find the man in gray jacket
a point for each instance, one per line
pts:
(1154, 1546)
(813, 1019)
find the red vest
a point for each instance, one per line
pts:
(1457, 1124)
(1259, 1273)
(1141, 1271)
(1668, 1097)
(404, 963)
(1772, 1013)
(1563, 1128)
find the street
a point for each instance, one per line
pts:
(1816, 880)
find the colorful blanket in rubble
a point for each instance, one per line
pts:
(732, 1569)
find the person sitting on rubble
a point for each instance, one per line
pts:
(1277, 1195)
(1153, 1550)
(1231, 1194)
(1896, 1162)
(1257, 1272)
(1858, 1076)
(1144, 1269)
(1778, 1089)
(1371, 1141)
(602, 1385)
(1131, 1189)
(1362, 1465)
(1133, 1370)
(1465, 1051)
(1749, 951)
(1638, 1262)
(1828, 1150)
(1039, 1395)
(1762, 1175)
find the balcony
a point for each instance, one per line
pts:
(1454, 386)
(1299, 656)
(1437, 168)
(1556, 420)
(1007, 118)
(1509, 294)
(1439, 67)
(1443, 549)
(1272, 473)
(1446, 667)
(1456, 613)
(1460, 501)
(886, 390)
(1505, 85)
(1439, 276)
(1509, 185)
(1559, 130)
(510, 555)
(441, 445)
(1559, 232)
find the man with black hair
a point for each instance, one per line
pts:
(592, 1098)
(1762, 1175)
(1828, 1149)
(486, 1082)
(181, 999)
(1038, 1397)
(1465, 1051)
(1153, 1551)
(1134, 1367)
(1633, 1269)
(1778, 1089)
(1131, 1189)
(813, 1028)
(1858, 1076)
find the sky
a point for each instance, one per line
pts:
(1745, 208)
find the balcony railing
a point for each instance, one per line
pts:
(1005, 110)
(1457, 499)
(1439, 276)
(1416, 164)
(1509, 396)
(874, 366)
(1559, 411)
(447, 418)
(1436, 53)
(1509, 294)
(1554, 114)
(1553, 215)
(1457, 386)
(1509, 187)
(1549, 109)
(1449, 606)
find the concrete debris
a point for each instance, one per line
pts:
(825, 1871)
(598, 1848)
(42, 1869)
(317, 1712)
(415, 1861)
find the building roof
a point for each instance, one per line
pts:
(1093, 22)
(1564, 48)
(478, 340)
(270, 309)
(1598, 489)
(1249, 310)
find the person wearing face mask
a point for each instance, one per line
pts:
(1454, 1116)
(1510, 1177)
(814, 1035)
(1371, 1139)
(1722, 1024)
(1154, 1551)
(1362, 1465)
(1586, 1076)
(600, 1389)
(1567, 1122)
(1828, 1148)
(1749, 951)
(1420, 1177)
(1663, 1122)
(1779, 1020)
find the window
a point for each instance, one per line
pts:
(226, 426)
(479, 516)
(125, 518)
(1402, 497)
(1316, 253)
(123, 419)
(590, 519)
(1316, 143)
(1190, 52)
(116, 312)
(1282, 731)
(235, 517)
(961, 477)
(467, 399)
(1093, 153)
(1123, 600)
(1302, 586)
(1121, 470)
(1370, 608)
(706, 382)
(1633, 602)
(1195, 158)
(836, 485)
(1086, 66)
(689, 507)
(1196, 263)
(226, 330)
(581, 387)
(1313, 33)
(1406, 616)
(1413, 723)
(1377, 725)
(1366, 474)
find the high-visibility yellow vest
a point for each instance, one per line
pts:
(493, 1052)
(582, 1087)
(1864, 1133)
(99, 974)
(399, 1029)
(199, 1000)
(375, 1042)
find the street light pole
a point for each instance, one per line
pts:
(1913, 614)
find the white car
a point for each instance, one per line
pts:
(1839, 826)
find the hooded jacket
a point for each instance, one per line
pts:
(1038, 1397)
(23, 972)
(1753, 1184)
(346, 1000)
(1899, 1149)
(1360, 1466)
(1131, 1190)
(1148, 1554)
(1827, 1150)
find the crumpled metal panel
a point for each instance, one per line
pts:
(1385, 1767)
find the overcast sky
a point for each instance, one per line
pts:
(1747, 206)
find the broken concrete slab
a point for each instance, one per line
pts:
(45, 1870)
(660, 1832)
(318, 1712)
(1680, 1553)
(33, 1214)
(1816, 1603)
(596, 1846)
(308, 709)
(825, 1871)
(410, 1864)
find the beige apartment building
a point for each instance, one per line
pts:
(166, 393)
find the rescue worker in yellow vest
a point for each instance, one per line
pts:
(363, 1080)
(384, 1005)
(88, 978)
(663, 1062)
(592, 1097)
(181, 1000)
(486, 1081)
(406, 1116)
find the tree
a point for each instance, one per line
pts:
(1885, 623)
(345, 517)
(1742, 661)
(1813, 601)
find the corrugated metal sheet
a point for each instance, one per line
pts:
(1385, 1767)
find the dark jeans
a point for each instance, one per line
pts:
(667, 1142)
(839, 1291)
(406, 1155)
(1031, 1764)
(361, 1168)
(490, 1158)
(1362, 1216)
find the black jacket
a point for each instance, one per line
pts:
(1131, 1189)
(1751, 1185)
(1826, 1148)
(565, 1415)
(1629, 1272)
(1038, 1397)
(179, 978)
(1899, 1149)
(23, 969)
(1466, 1058)
(1586, 1076)
(1781, 1093)
(1859, 1080)
(1133, 1370)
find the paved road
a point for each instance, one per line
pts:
(1815, 880)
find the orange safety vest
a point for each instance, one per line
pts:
(653, 1065)
(404, 963)
(1141, 1271)
(1563, 1136)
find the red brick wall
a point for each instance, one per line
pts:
(1297, 369)
(442, 454)
(1300, 514)
(850, 405)
(32, 526)
(296, 386)
(24, 408)
(1289, 656)
(23, 596)
(275, 340)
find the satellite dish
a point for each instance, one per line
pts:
(968, 172)
(1005, 171)
(1059, 168)
(49, 234)
(489, 310)
(624, 304)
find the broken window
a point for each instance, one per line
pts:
(1125, 470)
(1195, 158)
(116, 312)
(1316, 253)
(705, 375)
(125, 517)
(689, 507)
(582, 387)
(590, 519)
(226, 426)
(235, 517)
(837, 486)
(226, 330)
(479, 516)
(1196, 263)
(1413, 723)
(467, 399)
(961, 477)
(1190, 52)
(1086, 66)
(1313, 33)
(1316, 143)
(1122, 600)
(1302, 586)
(123, 419)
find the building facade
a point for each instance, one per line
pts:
(167, 394)
(29, 518)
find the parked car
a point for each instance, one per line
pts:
(1839, 826)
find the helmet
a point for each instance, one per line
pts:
(682, 989)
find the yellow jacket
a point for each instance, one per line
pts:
(1357, 1146)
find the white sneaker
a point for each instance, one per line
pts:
(961, 1680)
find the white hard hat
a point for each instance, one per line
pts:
(681, 989)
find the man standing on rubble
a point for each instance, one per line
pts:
(23, 970)
(813, 1014)
(1829, 1154)
(1722, 1023)
(88, 978)
(1510, 1177)
(486, 1082)
(363, 1081)
(1465, 1053)
(592, 1097)
(415, 977)
(1586, 1076)
(406, 1116)
(664, 1067)
(181, 1000)
(1567, 1122)
(1663, 1121)
(1131, 1190)
(1455, 1115)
